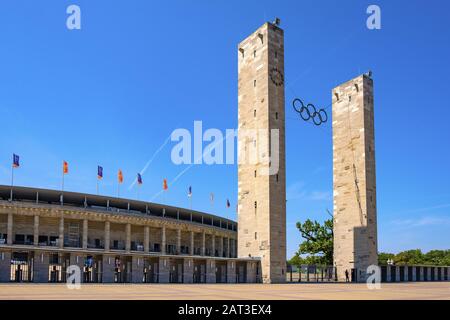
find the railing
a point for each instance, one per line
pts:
(311, 273)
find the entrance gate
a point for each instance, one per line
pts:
(21, 267)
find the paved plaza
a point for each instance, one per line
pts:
(340, 291)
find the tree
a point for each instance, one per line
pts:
(318, 244)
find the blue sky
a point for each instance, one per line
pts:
(112, 92)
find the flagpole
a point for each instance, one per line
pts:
(97, 186)
(12, 182)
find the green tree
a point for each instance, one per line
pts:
(383, 257)
(318, 244)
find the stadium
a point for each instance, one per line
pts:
(114, 240)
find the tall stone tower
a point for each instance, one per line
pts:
(354, 185)
(261, 145)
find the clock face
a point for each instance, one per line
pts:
(277, 77)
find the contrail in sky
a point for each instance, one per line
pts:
(150, 161)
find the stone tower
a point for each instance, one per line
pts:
(261, 145)
(354, 185)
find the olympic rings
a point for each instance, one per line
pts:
(309, 112)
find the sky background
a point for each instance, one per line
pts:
(111, 93)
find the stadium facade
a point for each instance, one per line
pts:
(113, 240)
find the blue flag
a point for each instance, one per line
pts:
(16, 163)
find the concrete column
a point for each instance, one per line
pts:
(191, 246)
(188, 270)
(213, 245)
(388, 273)
(210, 271)
(164, 270)
(178, 249)
(406, 274)
(85, 233)
(163, 241)
(78, 260)
(108, 269)
(61, 232)
(107, 235)
(40, 267)
(228, 247)
(146, 239)
(448, 274)
(9, 229)
(5, 266)
(127, 237)
(203, 242)
(251, 272)
(233, 248)
(436, 273)
(137, 269)
(429, 273)
(397, 274)
(220, 246)
(231, 271)
(36, 231)
(414, 275)
(421, 278)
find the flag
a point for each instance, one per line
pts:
(211, 197)
(65, 167)
(99, 172)
(120, 176)
(165, 187)
(190, 192)
(15, 161)
(139, 178)
(228, 203)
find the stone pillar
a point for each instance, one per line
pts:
(448, 274)
(5, 266)
(188, 270)
(210, 271)
(231, 271)
(85, 233)
(163, 241)
(107, 235)
(108, 269)
(191, 246)
(397, 274)
(137, 269)
(61, 232)
(36, 231)
(233, 248)
(203, 242)
(178, 249)
(164, 270)
(146, 239)
(406, 274)
(429, 273)
(221, 247)
(388, 273)
(40, 267)
(213, 245)
(9, 229)
(78, 260)
(127, 237)
(414, 275)
(228, 248)
(251, 272)
(421, 278)
(436, 273)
